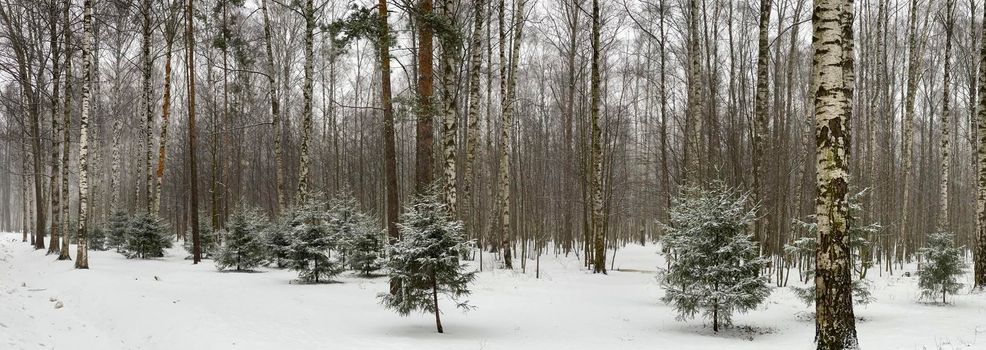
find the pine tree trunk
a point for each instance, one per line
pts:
(82, 254)
(424, 155)
(306, 121)
(833, 88)
(165, 112)
(192, 165)
(599, 242)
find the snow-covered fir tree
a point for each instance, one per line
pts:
(146, 237)
(714, 265)
(208, 239)
(242, 248)
(942, 267)
(804, 248)
(311, 244)
(116, 228)
(277, 240)
(424, 263)
(360, 239)
(97, 238)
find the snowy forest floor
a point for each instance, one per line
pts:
(169, 303)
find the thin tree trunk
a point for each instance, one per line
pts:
(760, 121)
(424, 155)
(165, 112)
(507, 121)
(306, 121)
(82, 254)
(943, 219)
(980, 250)
(449, 109)
(274, 111)
(63, 253)
(472, 131)
(192, 166)
(599, 241)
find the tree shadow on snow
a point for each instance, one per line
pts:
(748, 333)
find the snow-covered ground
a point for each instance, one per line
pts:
(169, 303)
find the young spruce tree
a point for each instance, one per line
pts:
(715, 266)
(243, 249)
(359, 237)
(425, 261)
(146, 237)
(311, 244)
(117, 227)
(943, 265)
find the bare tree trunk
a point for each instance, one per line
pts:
(599, 242)
(63, 253)
(835, 324)
(53, 243)
(694, 117)
(306, 121)
(472, 131)
(274, 111)
(449, 109)
(148, 113)
(169, 37)
(192, 166)
(760, 122)
(424, 155)
(82, 254)
(507, 121)
(943, 218)
(390, 149)
(980, 250)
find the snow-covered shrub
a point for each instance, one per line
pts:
(942, 267)
(858, 243)
(714, 265)
(360, 239)
(425, 261)
(146, 237)
(242, 248)
(208, 239)
(117, 230)
(311, 244)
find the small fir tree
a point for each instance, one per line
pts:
(358, 235)
(146, 237)
(425, 261)
(277, 240)
(117, 226)
(243, 249)
(97, 239)
(714, 265)
(943, 265)
(208, 239)
(309, 252)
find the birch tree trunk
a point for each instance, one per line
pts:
(169, 38)
(507, 121)
(760, 120)
(835, 324)
(306, 121)
(943, 219)
(147, 112)
(82, 254)
(694, 117)
(598, 227)
(449, 108)
(980, 250)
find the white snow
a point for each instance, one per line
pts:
(169, 303)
